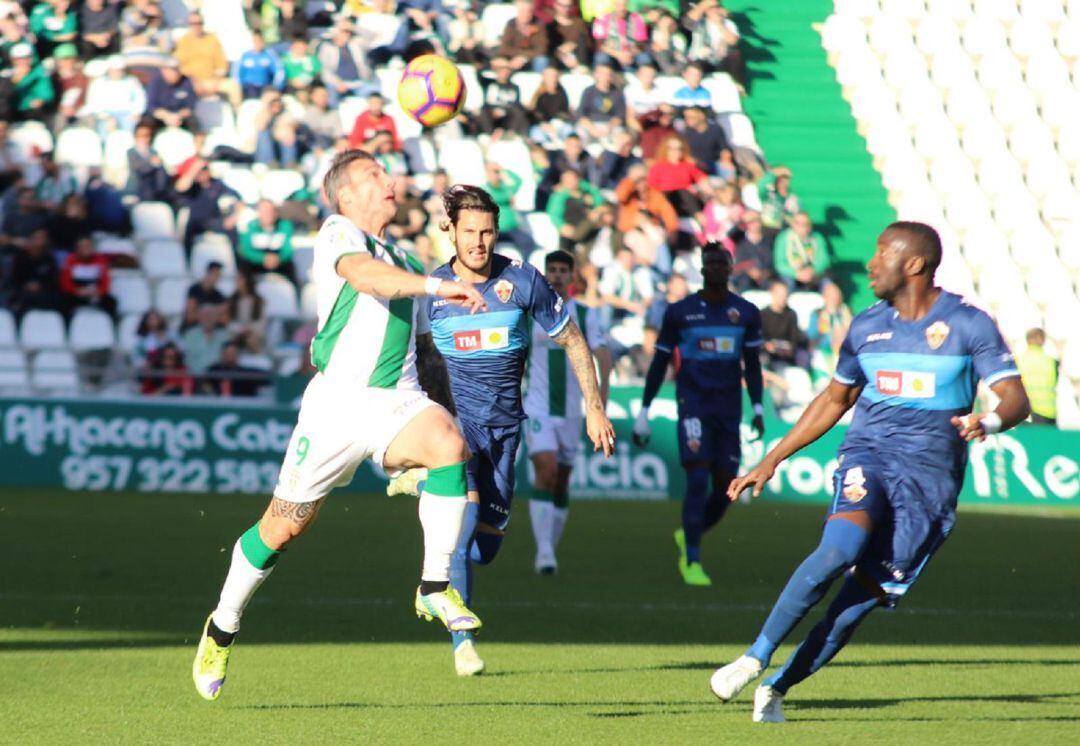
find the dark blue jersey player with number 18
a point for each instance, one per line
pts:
(909, 366)
(713, 337)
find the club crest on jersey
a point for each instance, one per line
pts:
(854, 484)
(733, 315)
(503, 290)
(936, 334)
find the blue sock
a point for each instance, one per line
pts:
(461, 567)
(842, 543)
(693, 511)
(847, 610)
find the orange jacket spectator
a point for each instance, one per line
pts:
(636, 197)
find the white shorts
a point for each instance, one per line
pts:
(340, 425)
(561, 435)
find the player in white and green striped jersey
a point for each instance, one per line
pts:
(553, 406)
(366, 401)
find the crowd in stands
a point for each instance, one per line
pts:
(623, 154)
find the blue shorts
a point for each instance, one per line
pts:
(710, 438)
(912, 512)
(490, 471)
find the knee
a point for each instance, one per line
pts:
(485, 547)
(448, 447)
(828, 561)
(277, 533)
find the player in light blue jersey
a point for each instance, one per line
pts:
(909, 366)
(484, 354)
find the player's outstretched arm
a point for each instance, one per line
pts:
(824, 411)
(431, 370)
(1013, 409)
(371, 277)
(597, 424)
(654, 379)
(605, 364)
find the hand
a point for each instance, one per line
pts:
(461, 294)
(757, 424)
(600, 432)
(642, 430)
(271, 261)
(970, 427)
(756, 479)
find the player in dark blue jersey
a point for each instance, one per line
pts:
(713, 337)
(909, 366)
(484, 354)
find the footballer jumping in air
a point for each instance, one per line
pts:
(364, 402)
(713, 336)
(553, 401)
(909, 366)
(485, 354)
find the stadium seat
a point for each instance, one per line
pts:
(31, 136)
(724, 92)
(543, 230)
(803, 304)
(279, 297)
(349, 108)
(54, 372)
(78, 147)
(126, 335)
(527, 82)
(245, 123)
(420, 154)
(474, 98)
(153, 220)
(956, 10)
(998, 10)
(495, 17)
(170, 295)
(164, 257)
(9, 336)
(289, 366)
(740, 130)
(759, 298)
(212, 247)
(800, 389)
(115, 164)
(13, 375)
(257, 361)
(463, 163)
(303, 256)
(279, 185)
(132, 294)
(309, 308)
(575, 85)
(509, 251)
(244, 182)
(213, 113)
(92, 329)
(42, 330)
(174, 145)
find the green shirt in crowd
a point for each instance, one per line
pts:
(256, 242)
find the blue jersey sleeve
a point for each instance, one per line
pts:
(848, 370)
(990, 355)
(668, 338)
(546, 307)
(752, 336)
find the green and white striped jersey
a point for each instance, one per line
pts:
(362, 339)
(552, 388)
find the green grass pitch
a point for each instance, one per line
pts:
(102, 596)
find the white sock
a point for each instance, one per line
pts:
(540, 518)
(441, 518)
(240, 585)
(558, 523)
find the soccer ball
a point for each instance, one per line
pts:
(431, 90)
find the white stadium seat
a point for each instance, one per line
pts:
(175, 146)
(242, 181)
(132, 294)
(42, 330)
(164, 258)
(463, 163)
(495, 17)
(170, 295)
(279, 185)
(79, 146)
(153, 220)
(126, 336)
(54, 372)
(308, 303)
(13, 374)
(92, 329)
(9, 336)
(543, 230)
(212, 247)
(279, 297)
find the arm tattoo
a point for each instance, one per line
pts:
(299, 513)
(581, 360)
(431, 370)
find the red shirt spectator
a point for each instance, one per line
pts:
(669, 177)
(84, 278)
(373, 121)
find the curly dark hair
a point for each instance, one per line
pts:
(466, 197)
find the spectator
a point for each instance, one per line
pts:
(667, 47)
(203, 342)
(373, 121)
(84, 279)
(381, 145)
(656, 126)
(282, 21)
(617, 160)
(35, 278)
(502, 109)
(721, 216)
(266, 243)
(166, 374)
(525, 40)
(115, 100)
(300, 67)
(70, 85)
(572, 208)
(55, 184)
(258, 69)
(800, 254)
(549, 110)
(602, 107)
(620, 35)
(99, 28)
(227, 377)
(682, 182)
(69, 224)
(827, 329)
(211, 205)
(410, 219)
(753, 256)
(706, 139)
(502, 184)
(343, 59)
(643, 208)
(714, 39)
(202, 60)
(247, 316)
(642, 95)
(151, 335)
(693, 93)
(627, 291)
(277, 138)
(572, 156)
(205, 292)
(170, 97)
(107, 212)
(570, 43)
(52, 23)
(33, 86)
(677, 290)
(321, 123)
(785, 344)
(1039, 373)
(23, 217)
(426, 18)
(384, 31)
(778, 203)
(147, 178)
(466, 30)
